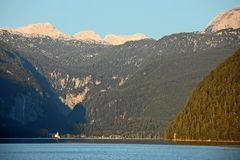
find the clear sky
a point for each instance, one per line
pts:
(154, 18)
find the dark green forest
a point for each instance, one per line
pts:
(212, 112)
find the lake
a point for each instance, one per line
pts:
(97, 151)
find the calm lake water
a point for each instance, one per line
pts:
(86, 151)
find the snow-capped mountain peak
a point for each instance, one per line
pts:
(46, 29)
(227, 19)
(120, 39)
(88, 36)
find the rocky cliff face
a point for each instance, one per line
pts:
(26, 104)
(25, 91)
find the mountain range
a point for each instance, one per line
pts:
(46, 29)
(82, 83)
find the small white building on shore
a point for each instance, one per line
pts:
(56, 136)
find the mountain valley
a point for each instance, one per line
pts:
(131, 86)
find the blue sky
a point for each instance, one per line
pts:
(155, 18)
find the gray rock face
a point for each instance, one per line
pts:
(26, 108)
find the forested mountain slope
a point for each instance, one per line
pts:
(213, 109)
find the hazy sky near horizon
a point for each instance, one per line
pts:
(154, 18)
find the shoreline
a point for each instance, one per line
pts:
(119, 140)
(196, 141)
